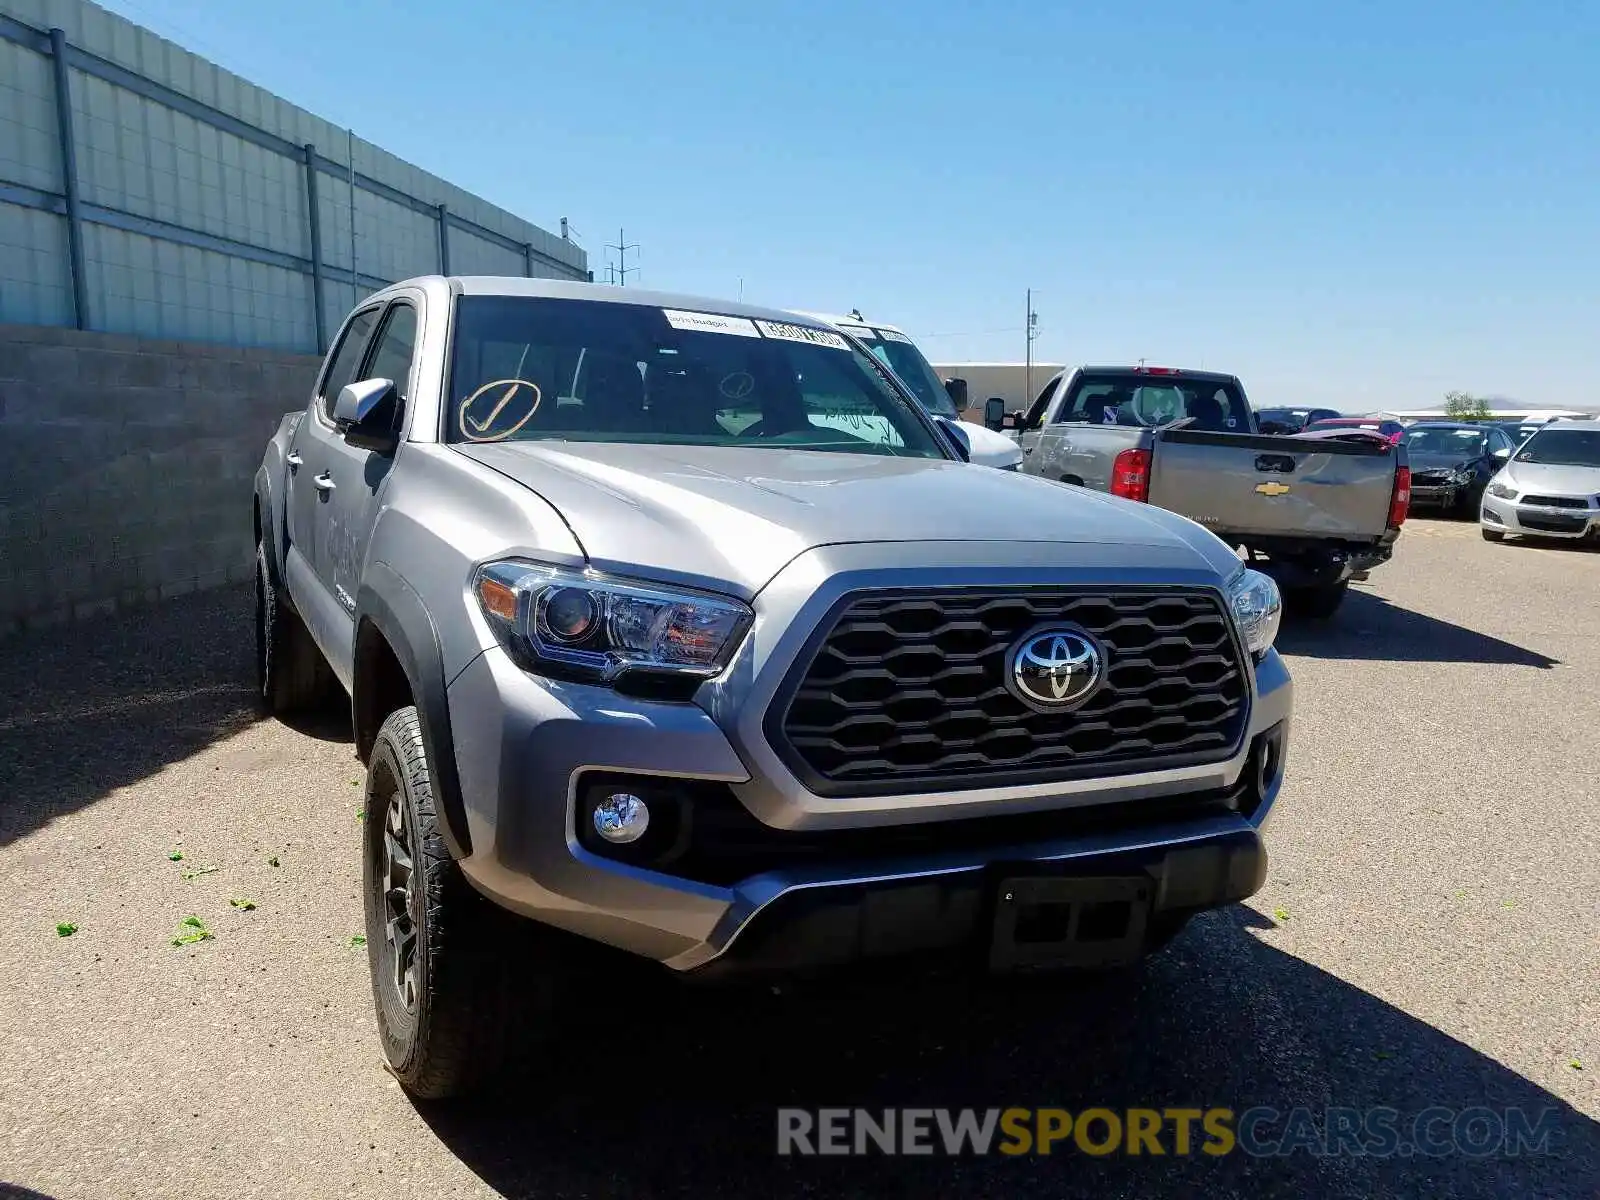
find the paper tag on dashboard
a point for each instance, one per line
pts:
(710, 323)
(802, 333)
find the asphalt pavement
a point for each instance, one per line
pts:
(1429, 938)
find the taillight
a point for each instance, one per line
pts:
(1130, 475)
(1401, 500)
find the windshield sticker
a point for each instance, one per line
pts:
(802, 333)
(492, 403)
(709, 323)
(892, 335)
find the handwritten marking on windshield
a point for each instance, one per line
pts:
(475, 430)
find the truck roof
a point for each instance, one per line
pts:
(599, 293)
(850, 322)
(1157, 372)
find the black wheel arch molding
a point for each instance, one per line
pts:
(389, 606)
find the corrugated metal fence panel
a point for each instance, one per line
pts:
(33, 268)
(29, 153)
(156, 288)
(140, 156)
(192, 185)
(471, 255)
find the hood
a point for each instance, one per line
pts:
(1437, 461)
(739, 514)
(1552, 479)
(991, 448)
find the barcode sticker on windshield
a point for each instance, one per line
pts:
(892, 335)
(802, 333)
(710, 323)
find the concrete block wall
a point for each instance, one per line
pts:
(126, 466)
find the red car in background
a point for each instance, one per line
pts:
(1389, 428)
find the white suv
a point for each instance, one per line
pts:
(900, 354)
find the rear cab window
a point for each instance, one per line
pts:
(1135, 399)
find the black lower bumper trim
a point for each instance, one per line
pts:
(953, 916)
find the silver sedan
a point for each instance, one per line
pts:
(1549, 488)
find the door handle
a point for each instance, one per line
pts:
(323, 482)
(293, 459)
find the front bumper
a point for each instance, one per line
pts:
(1534, 520)
(891, 875)
(1437, 495)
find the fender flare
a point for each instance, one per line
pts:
(392, 606)
(268, 518)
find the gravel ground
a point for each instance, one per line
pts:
(1429, 935)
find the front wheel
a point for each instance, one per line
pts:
(462, 988)
(1318, 603)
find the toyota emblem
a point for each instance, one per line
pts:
(1055, 670)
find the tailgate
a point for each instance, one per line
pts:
(1258, 484)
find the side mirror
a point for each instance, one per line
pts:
(956, 389)
(365, 413)
(958, 437)
(1501, 454)
(994, 413)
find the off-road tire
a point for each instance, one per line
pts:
(291, 674)
(487, 983)
(1317, 603)
(1491, 535)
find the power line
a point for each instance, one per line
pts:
(618, 273)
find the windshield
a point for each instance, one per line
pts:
(906, 361)
(528, 368)
(1126, 399)
(1562, 448)
(1464, 443)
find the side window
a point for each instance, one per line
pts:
(1035, 414)
(397, 341)
(346, 361)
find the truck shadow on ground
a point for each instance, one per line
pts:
(91, 707)
(673, 1090)
(1367, 627)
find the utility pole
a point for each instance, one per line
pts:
(618, 274)
(1033, 332)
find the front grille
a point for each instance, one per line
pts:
(1432, 479)
(1556, 501)
(906, 689)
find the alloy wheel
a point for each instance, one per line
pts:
(401, 897)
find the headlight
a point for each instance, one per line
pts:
(1257, 610)
(1502, 491)
(1461, 476)
(592, 628)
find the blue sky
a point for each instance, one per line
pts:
(1362, 206)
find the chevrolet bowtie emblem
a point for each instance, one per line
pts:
(1272, 489)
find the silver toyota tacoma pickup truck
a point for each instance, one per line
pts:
(1314, 512)
(678, 628)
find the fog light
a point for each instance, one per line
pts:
(621, 817)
